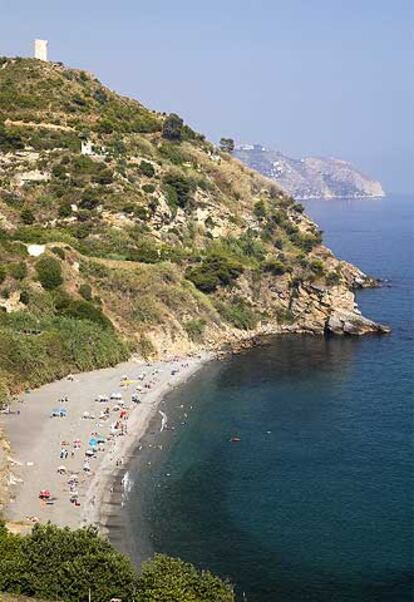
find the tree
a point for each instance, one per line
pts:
(172, 128)
(227, 145)
(62, 564)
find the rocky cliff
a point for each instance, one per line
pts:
(122, 230)
(311, 177)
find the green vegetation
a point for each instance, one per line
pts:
(49, 272)
(227, 145)
(60, 564)
(147, 169)
(17, 270)
(9, 141)
(85, 291)
(238, 313)
(195, 328)
(27, 217)
(179, 188)
(214, 270)
(155, 231)
(275, 267)
(172, 128)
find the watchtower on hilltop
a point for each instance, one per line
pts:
(40, 49)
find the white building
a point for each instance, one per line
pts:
(86, 147)
(40, 49)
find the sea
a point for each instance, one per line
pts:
(315, 500)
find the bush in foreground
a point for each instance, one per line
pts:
(61, 564)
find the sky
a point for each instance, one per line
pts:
(306, 77)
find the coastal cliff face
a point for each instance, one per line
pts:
(123, 230)
(311, 177)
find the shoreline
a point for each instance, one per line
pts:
(35, 445)
(103, 485)
(37, 439)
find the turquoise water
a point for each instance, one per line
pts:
(315, 502)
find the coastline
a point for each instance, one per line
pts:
(36, 438)
(103, 485)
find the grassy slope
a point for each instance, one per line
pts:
(160, 244)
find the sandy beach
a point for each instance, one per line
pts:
(41, 443)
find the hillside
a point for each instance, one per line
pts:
(151, 241)
(311, 177)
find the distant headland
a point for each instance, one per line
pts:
(310, 177)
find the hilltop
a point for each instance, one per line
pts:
(310, 177)
(122, 230)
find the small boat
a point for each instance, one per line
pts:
(235, 440)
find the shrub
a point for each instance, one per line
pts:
(274, 266)
(260, 210)
(59, 252)
(173, 153)
(82, 310)
(146, 251)
(3, 274)
(195, 328)
(227, 145)
(214, 271)
(298, 207)
(172, 128)
(27, 217)
(65, 210)
(333, 278)
(89, 200)
(24, 298)
(9, 141)
(181, 187)
(147, 169)
(85, 291)
(306, 242)
(238, 313)
(148, 188)
(17, 270)
(317, 267)
(49, 272)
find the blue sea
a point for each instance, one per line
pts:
(315, 503)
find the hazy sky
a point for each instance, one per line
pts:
(322, 77)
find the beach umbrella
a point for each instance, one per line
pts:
(90, 452)
(61, 469)
(93, 442)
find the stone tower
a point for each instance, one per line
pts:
(40, 49)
